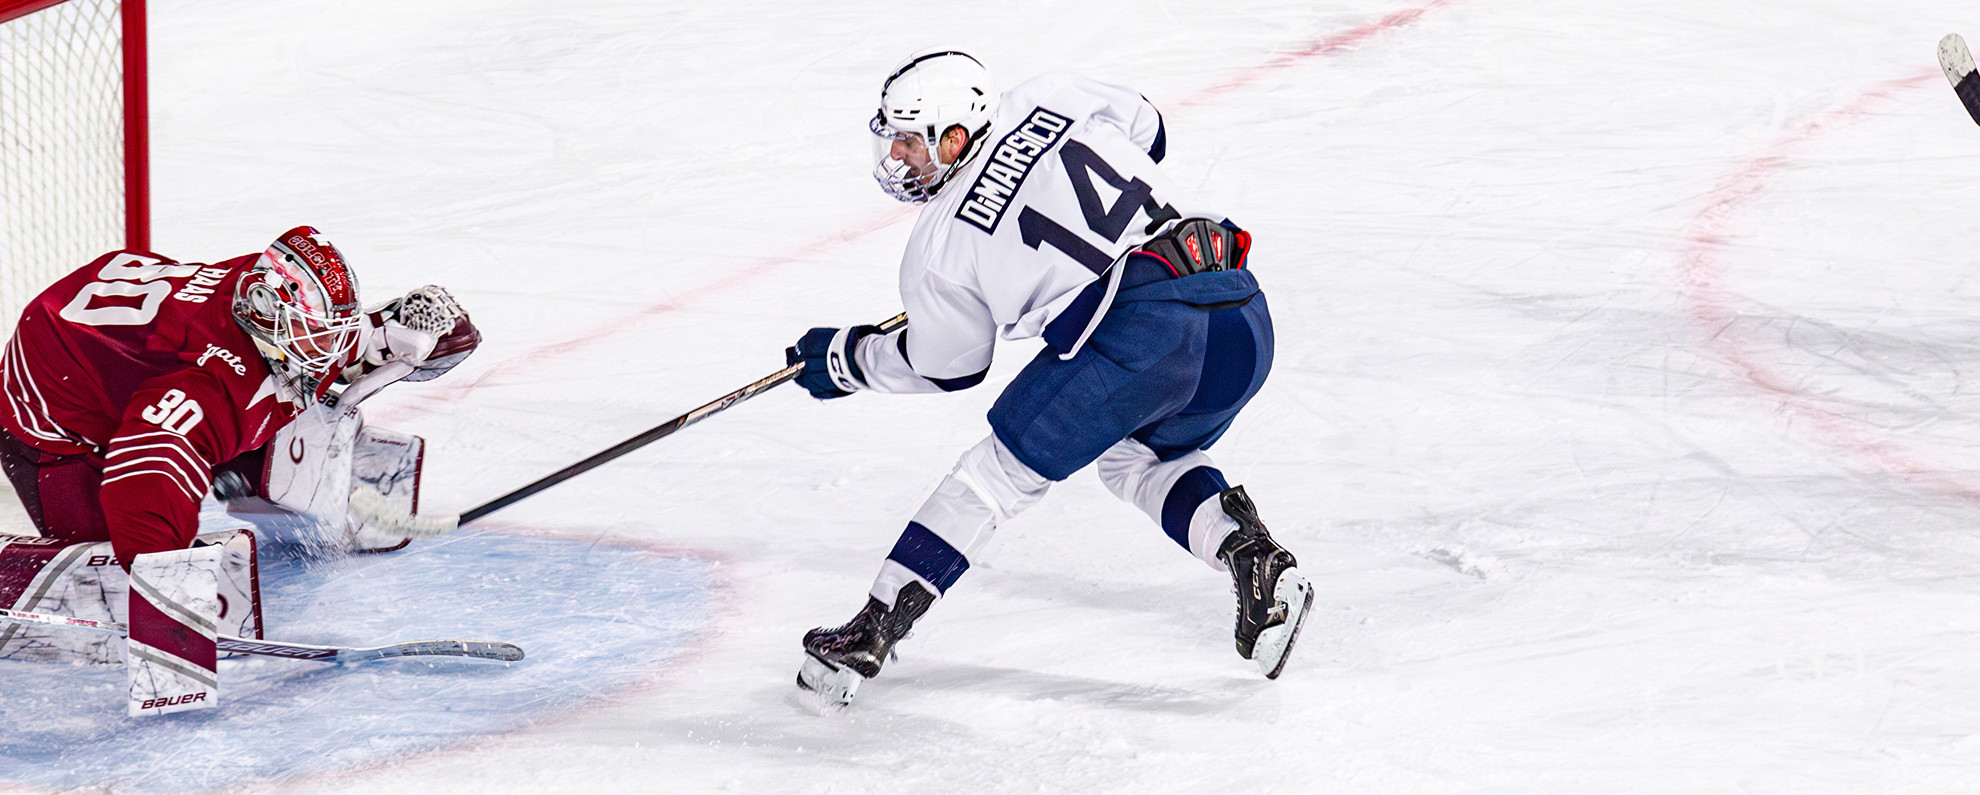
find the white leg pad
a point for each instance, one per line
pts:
(309, 471)
(174, 609)
(389, 463)
(84, 580)
(313, 465)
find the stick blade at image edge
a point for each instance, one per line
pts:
(1957, 61)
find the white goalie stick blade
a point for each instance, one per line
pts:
(827, 688)
(376, 511)
(471, 649)
(1958, 63)
(1275, 644)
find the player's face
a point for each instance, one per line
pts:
(320, 341)
(910, 149)
(903, 163)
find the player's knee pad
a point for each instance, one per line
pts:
(1004, 484)
(988, 486)
(309, 464)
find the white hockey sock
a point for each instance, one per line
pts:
(1135, 474)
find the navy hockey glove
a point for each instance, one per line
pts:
(827, 354)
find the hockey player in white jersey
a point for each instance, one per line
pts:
(1047, 216)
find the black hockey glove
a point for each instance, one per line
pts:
(827, 354)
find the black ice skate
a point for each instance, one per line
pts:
(837, 659)
(1273, 597)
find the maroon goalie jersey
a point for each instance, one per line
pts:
(136, 364)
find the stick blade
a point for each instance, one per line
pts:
(473, 649)
(1957, 61)
(378, 512)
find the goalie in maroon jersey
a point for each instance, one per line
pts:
(133, 382)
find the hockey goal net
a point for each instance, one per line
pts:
(73, 170)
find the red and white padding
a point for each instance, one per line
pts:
(174, 614)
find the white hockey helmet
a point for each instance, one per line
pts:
(299, 302)
(926, 95)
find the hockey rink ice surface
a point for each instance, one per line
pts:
(1626, 412)
(596, 618)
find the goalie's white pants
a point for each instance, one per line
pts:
(989, 485)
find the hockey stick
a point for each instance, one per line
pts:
(372, 507)
(1958, 63)
(475, 649)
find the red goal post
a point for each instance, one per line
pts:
(74, 163)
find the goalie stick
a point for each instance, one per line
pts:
(1958, 63)
(474, 649)
(372, 507)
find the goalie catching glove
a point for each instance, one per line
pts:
(830, 371)
(417, 337)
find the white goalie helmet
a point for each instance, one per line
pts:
(299, 304)
(926, 95)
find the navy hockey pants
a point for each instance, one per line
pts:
(1170, 365)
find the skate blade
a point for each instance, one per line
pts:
(1275, 644)
(827, 687)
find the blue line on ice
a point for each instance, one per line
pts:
(591, 616)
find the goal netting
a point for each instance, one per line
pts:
(72, 170)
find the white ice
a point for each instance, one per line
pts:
(1624, 413)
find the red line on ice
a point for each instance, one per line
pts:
(433, 399)
(1703, 270)
(1326, 45)
(437, 399)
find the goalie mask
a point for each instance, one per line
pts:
(929, 93)
(299, 303)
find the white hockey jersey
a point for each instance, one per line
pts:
(1066, 186)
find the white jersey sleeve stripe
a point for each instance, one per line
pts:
(120, 456)
(122, 446)
(116, 442)
(24, 397)
(195, 485)
(175, 473)
(194, 475)
(195, 496)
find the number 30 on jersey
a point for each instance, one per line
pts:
(173, 412)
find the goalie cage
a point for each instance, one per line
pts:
(82, 579)
(74, 169)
